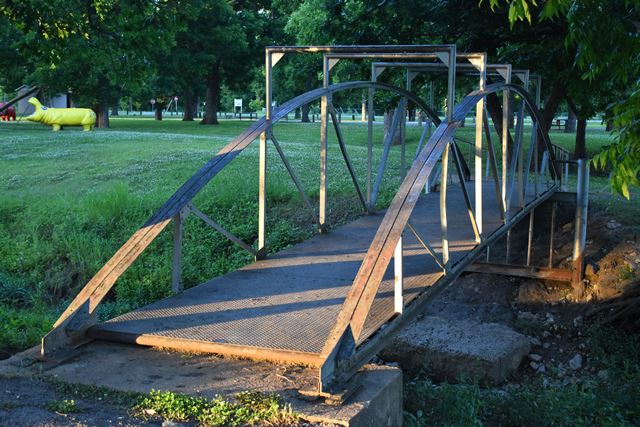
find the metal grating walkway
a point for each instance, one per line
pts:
(285, 306)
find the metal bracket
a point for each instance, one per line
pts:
(275, 57)
(331, 371)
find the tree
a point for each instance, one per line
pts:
(14, 67)
(606, 38)
(98, 50)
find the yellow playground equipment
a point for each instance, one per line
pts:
(58, 117)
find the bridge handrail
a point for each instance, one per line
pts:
(82, 311)
(349, 324)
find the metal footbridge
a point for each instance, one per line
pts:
(334, 300)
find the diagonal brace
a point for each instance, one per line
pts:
(294, 178)
(223, 231)
(425, 245)
(345, 154)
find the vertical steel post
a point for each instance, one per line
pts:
(530, 239)
(443, 205)
(398, 299)
(552, 232)
(370, 141)
(478, 151)
(403, 132)
(520, 154)
(324, 120)
(580, 236)
(534, 141)
(505, 142)
(451, 84)
(566, 171)
(262, 166)
(432, 102)
(176, 272)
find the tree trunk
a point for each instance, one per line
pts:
(213, 97)
(189, 107)
(580, 151)
(570, 125)
(552, 103)
(296, 114)
(102, 115)
(494, 107)
(388, 119)
(305, 113)
(608, 125)
(305, 108)
(158, 112)
(512, 111)
(114, 109)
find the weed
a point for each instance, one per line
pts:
(91, 392)
(63, 406)
(251, 408)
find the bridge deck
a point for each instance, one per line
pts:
(284, 307)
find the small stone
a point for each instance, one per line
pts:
(541, 369)
(168, 423)
(535, 341)
(576, 362)
(550, 318)
(393, 364)
(577, 322)
(613, 224)
(546, 345)
(546, 334)
(535, 357)
(534, 366)
(527, 316)
(582, 346)
(149, 411)
(603, 375)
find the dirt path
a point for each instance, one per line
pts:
(31, 402)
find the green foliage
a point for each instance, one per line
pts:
(63, 406)
(623, 157)
(24, 327)
(251, 408)
(606, 40)
(95, 49)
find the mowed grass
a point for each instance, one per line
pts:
(70, 199)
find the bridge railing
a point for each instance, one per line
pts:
(81, 313)
(346, 348)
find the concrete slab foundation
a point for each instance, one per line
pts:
(377, 400)
(450, 349)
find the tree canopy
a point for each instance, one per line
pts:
(102, 50)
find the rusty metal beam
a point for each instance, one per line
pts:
(547, 273)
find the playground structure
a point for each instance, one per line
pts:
(334, 301)
(8, 113)
(58, 117)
